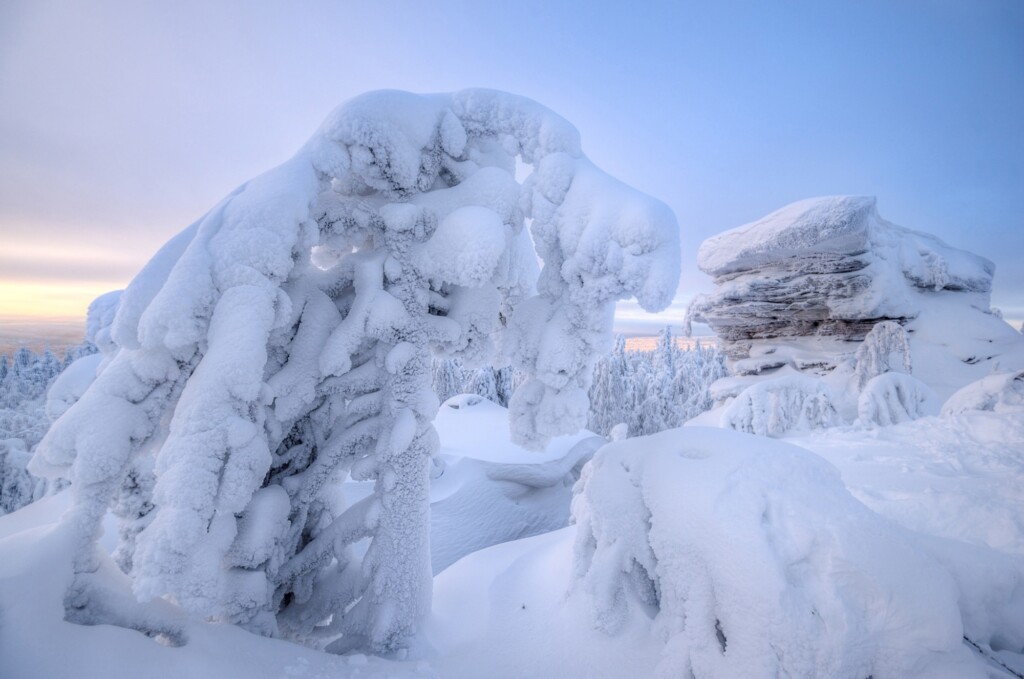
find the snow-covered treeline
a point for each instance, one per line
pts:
(24, 378)
(648, 391)
(451, 377)
(651, 391)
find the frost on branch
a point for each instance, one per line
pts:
(884, 349)
(773, 407)
(895, 397)
(806, 581)
(282, 343)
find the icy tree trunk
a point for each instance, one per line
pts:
(398, 561)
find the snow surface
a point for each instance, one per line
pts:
(944, 552)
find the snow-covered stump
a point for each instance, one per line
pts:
(282, 343)
(753, 560)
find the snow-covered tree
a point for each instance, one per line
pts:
(23, 421)
(651, 391)
(884, 349)
(773, 407)
(448, 378)
(894, 397)
(284, 341)
(482, 382)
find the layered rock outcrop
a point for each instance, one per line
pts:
(827, 267)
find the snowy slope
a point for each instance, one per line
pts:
(945, 489)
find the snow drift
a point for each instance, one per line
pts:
(753, 560)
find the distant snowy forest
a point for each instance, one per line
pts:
(24, 379)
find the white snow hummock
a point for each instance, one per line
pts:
(752, 559)
(998, 393)
(773, 407)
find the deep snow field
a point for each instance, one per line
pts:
(851, 551)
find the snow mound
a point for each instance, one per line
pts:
(997, 393)
(753, 560)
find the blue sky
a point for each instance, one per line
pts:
(122, 122)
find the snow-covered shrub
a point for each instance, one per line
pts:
(774, 407)
(753, 560)
(998, 393)
(891, 398)
(284, 341)
(884, 349)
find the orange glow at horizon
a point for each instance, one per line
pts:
(36, 299)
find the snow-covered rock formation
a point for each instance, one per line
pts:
(826, 267)
(827, 287)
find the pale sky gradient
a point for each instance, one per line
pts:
(122, 122)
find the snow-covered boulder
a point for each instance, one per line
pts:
(999, 392)
(753, 560)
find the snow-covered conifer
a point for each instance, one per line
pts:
(284, 341)
(884, 349)
(483, 383)
(894, 397)
(447, 378)
(773, 407)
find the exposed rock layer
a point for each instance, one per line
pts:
(827, 267)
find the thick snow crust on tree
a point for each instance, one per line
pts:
(894, 397)
(774, 407)
(283, 342)
(804, 581)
